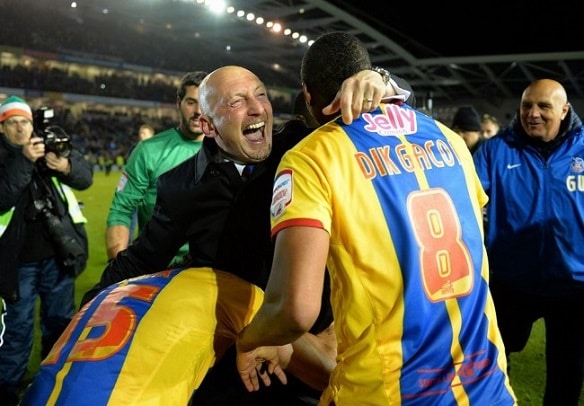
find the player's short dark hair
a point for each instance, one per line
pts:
(190, 79)
(331, 59)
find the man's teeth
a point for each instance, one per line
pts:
(255, 126)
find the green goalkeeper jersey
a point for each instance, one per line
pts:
(136, 189)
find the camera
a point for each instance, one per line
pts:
(68, 249)
(56, 140)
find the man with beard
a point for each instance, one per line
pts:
(136, 189)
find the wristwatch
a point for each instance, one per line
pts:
(385, 75)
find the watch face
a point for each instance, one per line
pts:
(385, 75)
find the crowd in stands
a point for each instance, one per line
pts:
(105, 139)
(120, 85)
(51, 31)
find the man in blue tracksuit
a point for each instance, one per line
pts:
(533, 172)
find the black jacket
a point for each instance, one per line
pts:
(26, 238)
(196, 201)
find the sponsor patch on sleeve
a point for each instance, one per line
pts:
(282, 193)
(122, 183)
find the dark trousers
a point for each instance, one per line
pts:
(564, 336)
(56, 291)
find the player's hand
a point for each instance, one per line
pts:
(260, 363)
(358, 94)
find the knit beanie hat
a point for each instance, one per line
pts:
(14, 106)
(466, 119)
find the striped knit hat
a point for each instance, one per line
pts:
(14, 106)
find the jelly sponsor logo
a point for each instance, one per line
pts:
(395, 121)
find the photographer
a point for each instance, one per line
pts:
(41, 247)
